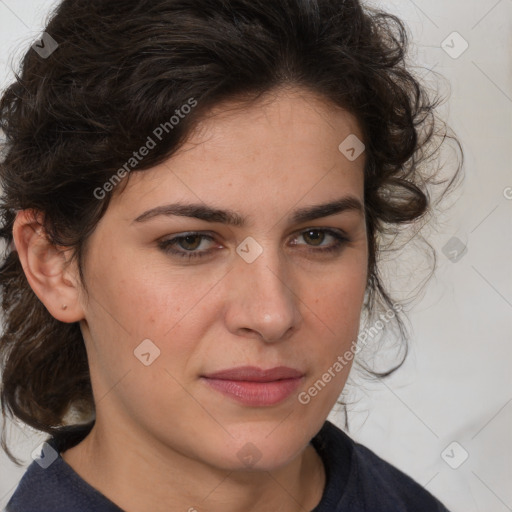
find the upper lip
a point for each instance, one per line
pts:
(255, 374)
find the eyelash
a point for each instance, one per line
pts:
(166, 245)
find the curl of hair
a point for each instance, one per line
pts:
(121, 69)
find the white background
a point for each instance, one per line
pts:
(457, 383)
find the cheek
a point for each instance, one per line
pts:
(145, 299)
(335, 320)
(337, 302)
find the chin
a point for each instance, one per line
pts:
(264, 453)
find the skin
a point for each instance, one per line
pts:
(160, 430)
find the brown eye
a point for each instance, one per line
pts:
(189, 242)
(187, 245)
(315, 235)
(315, 239)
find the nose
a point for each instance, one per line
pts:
(262, 302)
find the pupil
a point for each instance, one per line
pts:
(317, 237)
(189, 240)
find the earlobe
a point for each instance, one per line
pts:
(47, 268)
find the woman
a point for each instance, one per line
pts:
(195, 196)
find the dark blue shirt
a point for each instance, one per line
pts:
(357, 480)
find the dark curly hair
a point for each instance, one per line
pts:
(121, 68)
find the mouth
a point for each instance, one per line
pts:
(254, 386)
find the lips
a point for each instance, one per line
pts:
(254, 374)
(254, 386)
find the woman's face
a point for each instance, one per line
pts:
(276, 290)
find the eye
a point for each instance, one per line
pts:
(187, 245)
(189, 242)
(318, 235)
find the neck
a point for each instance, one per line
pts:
(151, 477)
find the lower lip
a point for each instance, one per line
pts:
(256, 394)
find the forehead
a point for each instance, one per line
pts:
(282, 147)
(291, 116)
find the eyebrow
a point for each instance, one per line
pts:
(232, 218)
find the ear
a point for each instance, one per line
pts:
(47, 267)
